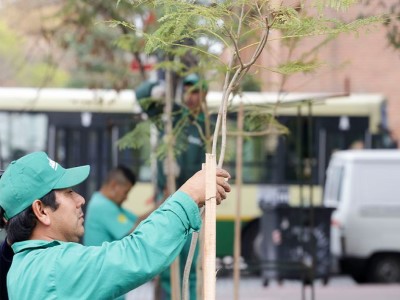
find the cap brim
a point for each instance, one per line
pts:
(193, 82)
(72, 177)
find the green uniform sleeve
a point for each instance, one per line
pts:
(120, 266)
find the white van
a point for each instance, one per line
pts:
(364, 188)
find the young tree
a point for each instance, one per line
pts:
(243, 29)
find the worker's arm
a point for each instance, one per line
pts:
(115, 268)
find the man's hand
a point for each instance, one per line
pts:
(195, 186)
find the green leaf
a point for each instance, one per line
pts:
(137, 138)
(293, 67)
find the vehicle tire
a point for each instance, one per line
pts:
(357, 271)
(384, 269)
(249, 246)
(357, 277)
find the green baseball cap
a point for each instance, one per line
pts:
(194, 80)
(33, 176)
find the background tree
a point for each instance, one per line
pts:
(23, 68)
(72, 36)
(392, 21)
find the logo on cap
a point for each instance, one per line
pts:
(53, 164)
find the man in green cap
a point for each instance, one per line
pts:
(191, 119)
(44, 222)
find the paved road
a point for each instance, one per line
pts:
(251, 288)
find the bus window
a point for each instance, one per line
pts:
(21, 133)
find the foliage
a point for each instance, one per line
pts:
(250, 84)
(18, 69)
(259, 121)
(237, 26)
(101, 54)
(392, 19)
(294, 24)
(136, 138)
(292, 67)
(103, 37)
(10, 42)
(217, 23)
(336, 4)
(140, 135)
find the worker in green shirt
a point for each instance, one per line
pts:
(190, 119)
(106, 220)
(44, 222)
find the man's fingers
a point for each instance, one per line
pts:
(221, 194)
(223, 173)
(223, 183)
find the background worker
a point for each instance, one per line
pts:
(191, 119)
(45, 222)
(106, 219)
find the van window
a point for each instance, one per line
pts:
(333, 188)
(377, 182)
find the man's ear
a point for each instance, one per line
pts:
(41, 212)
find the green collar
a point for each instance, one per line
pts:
(200, 117)
(33, 244)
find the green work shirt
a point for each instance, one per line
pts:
(106, 221)
(66, 270)
(190, 148)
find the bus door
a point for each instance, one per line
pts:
(73, 144)
(339, 133)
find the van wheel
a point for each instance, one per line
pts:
(358, 278)
(384, 269)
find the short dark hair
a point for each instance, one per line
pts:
(128, 173)
(20, 227)
(121, 170)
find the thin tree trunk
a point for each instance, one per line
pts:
(171, 181)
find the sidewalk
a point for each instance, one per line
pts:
(339, 288)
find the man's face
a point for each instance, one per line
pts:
(121, 191)
(67, 219)
(193, 97)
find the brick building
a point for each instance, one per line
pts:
(363, 63)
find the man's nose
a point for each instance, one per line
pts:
(80, 201)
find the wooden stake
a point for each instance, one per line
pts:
(209, 253)
(239, 160)
(175, 279)
(199, 283)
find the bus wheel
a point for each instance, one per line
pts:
(384, 269)
(251, 246)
